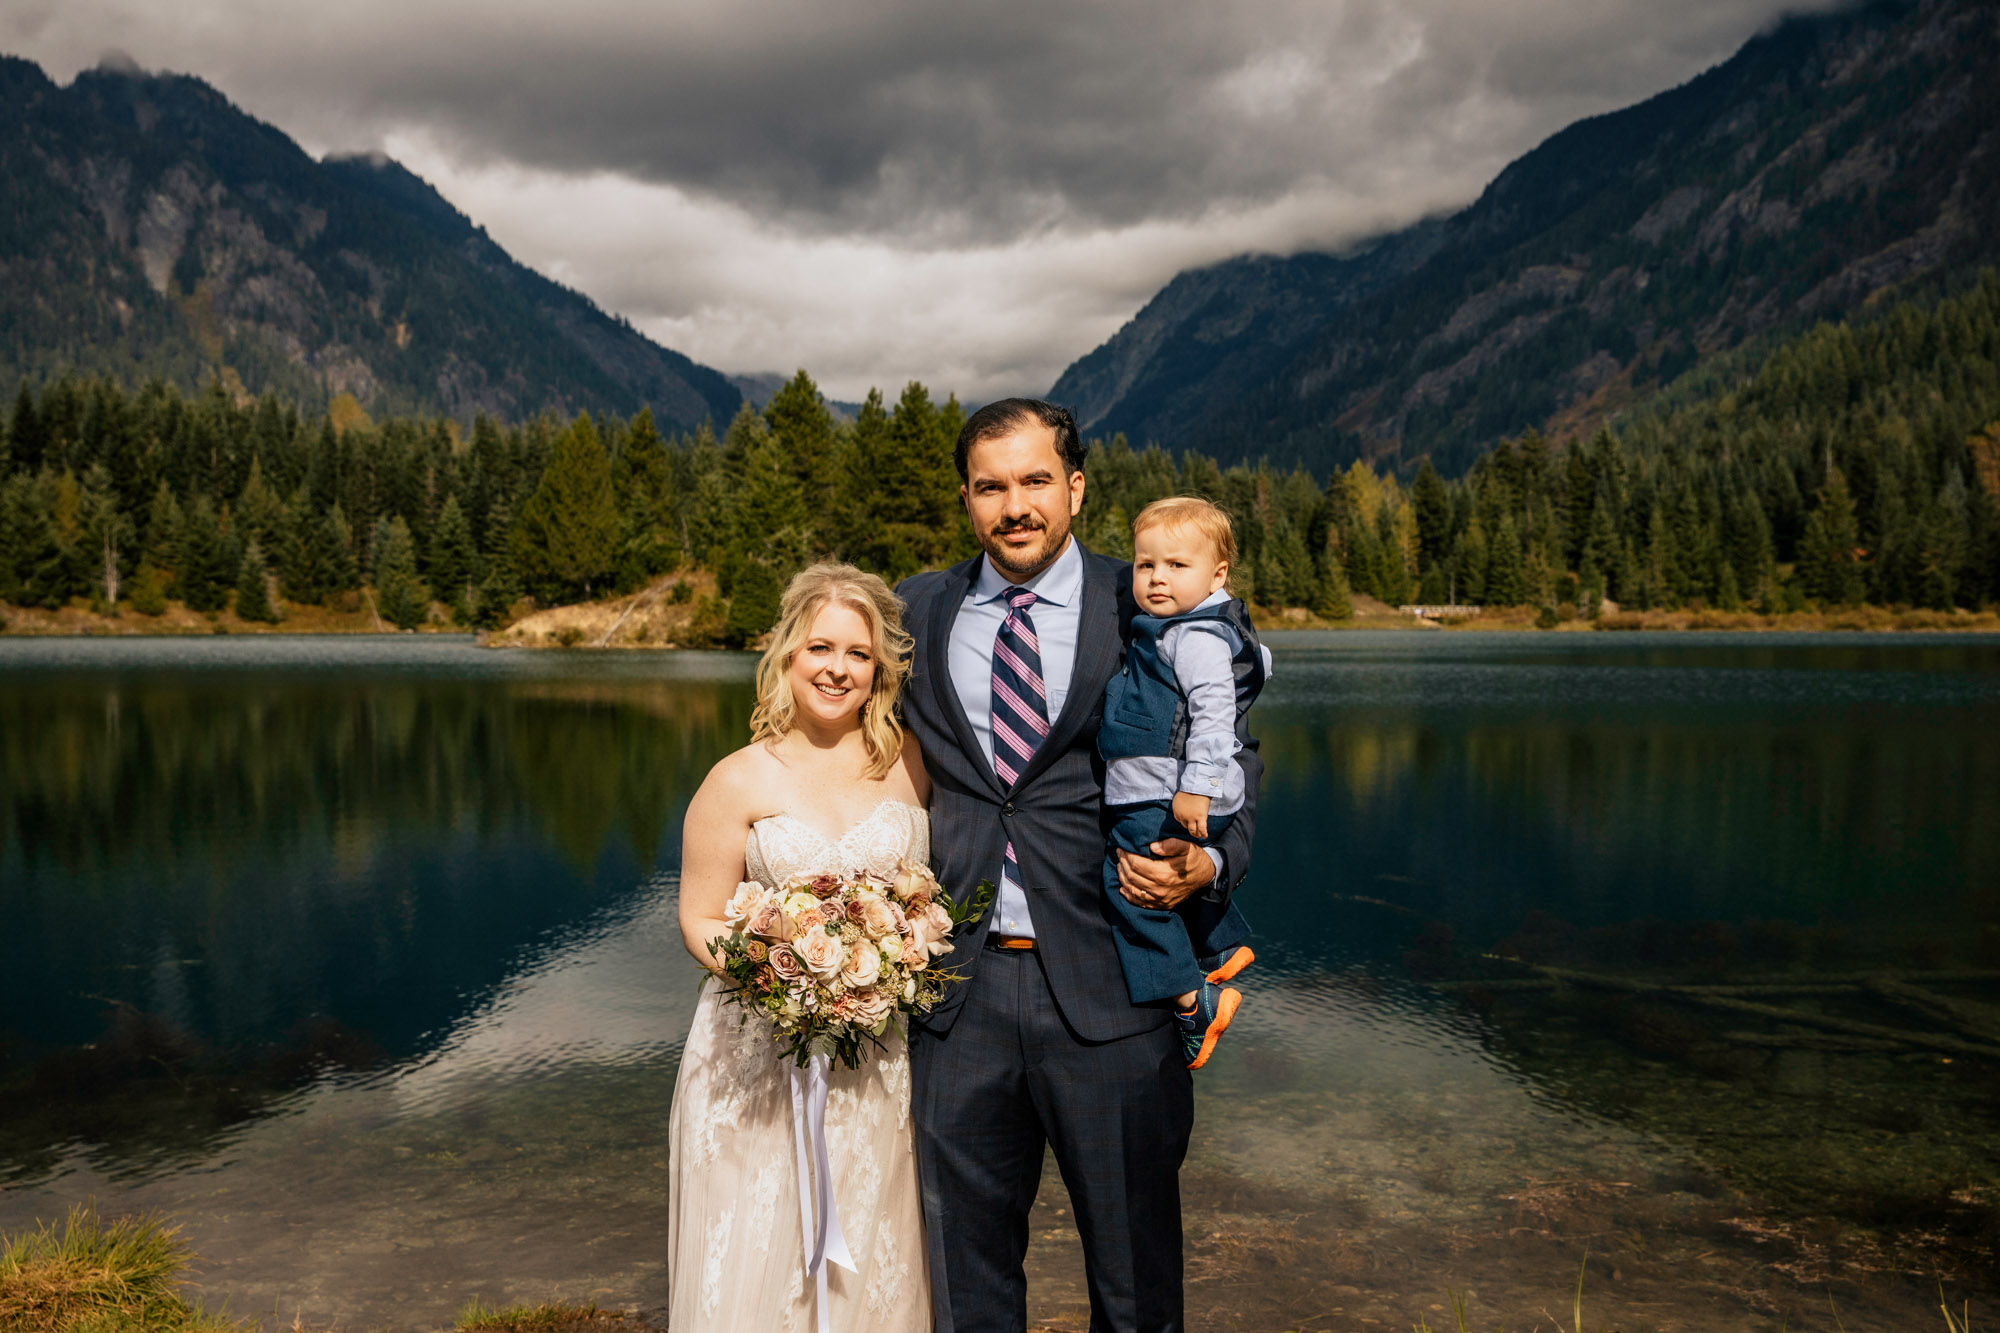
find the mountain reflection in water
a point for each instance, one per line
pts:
(364, 951)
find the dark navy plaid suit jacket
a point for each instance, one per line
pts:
(1054, 813)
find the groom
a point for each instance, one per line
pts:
(1039, 1045)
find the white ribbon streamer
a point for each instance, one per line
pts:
(819, 1216)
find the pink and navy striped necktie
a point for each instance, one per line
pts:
(1020, 699)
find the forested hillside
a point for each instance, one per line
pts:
(151, 229)
(1857, 463)
(1837, 158)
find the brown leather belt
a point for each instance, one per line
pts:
(995, 940)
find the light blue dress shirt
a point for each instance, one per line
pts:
(1058, 607)
(1056, 613)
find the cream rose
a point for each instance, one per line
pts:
(743, 904)
(873, 914)
(871, 1009)
(862, 967)
(891, 947)
(799, 902)
(819, 951)
(938, 925)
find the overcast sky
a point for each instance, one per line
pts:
(970, 194)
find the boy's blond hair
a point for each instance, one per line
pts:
(1191, 511)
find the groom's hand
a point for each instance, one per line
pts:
(1176, 871)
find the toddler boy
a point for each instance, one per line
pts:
(1169, 743)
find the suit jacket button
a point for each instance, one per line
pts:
(1007, 809)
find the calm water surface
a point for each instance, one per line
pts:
(358, 957)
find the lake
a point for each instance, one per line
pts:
(1668, 961)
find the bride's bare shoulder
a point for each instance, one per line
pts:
(739, 782)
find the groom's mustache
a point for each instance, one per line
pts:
(1024, 525)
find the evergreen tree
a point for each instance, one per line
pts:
(454, 561)
(567, 535)
(400, 596)
(1433, 512)
(1335, 600)
(649, 534)
(259, 511)
(340, 570)
(253, 586)
(1506, 580)
(164, 525)
(206, 573)
(1829, 564)
(802, 427)
(753, 603)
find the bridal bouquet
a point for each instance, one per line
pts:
(829, 960)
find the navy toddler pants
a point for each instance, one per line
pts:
(1164, 953)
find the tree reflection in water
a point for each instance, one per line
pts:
(221, 887)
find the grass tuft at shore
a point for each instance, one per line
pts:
(96, 1276)
(547, 1317)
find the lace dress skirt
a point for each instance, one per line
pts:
(736, 1257)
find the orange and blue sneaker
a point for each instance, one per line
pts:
(1203, 1026)
(1229, 964)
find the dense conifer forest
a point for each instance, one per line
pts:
(1858, 463)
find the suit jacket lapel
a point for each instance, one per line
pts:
(1097, 649)
(937, 651)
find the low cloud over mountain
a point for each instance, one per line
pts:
(967, 194)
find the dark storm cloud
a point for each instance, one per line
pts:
(942, 122)
(967, 193)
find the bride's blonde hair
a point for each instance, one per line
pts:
(811, 590)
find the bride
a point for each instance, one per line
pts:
(829, 783)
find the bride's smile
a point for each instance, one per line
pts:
(834, 670)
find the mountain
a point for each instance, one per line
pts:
(760, 386)
(152, 228)
(1830, 160)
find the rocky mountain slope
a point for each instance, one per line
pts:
(149, 227)
(1829, 160)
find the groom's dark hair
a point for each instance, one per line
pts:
(1008, 415)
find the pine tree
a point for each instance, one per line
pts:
(164, 525)
(802, 427)
(206, 573)
(253, 586)
(259, 511)
(454, 561)
(753, 603)
(1433, 506)
(400, 597)
(1335, 600)
(1829, 564)
(340, 570)
(1506, 580)
(567, 535)
(649, 538)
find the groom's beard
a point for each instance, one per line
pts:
(1024, 562)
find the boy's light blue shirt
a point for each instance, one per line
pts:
(1199, 653)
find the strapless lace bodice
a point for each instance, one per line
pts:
(783, 847)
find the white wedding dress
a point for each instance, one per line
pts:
(736, 1259)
